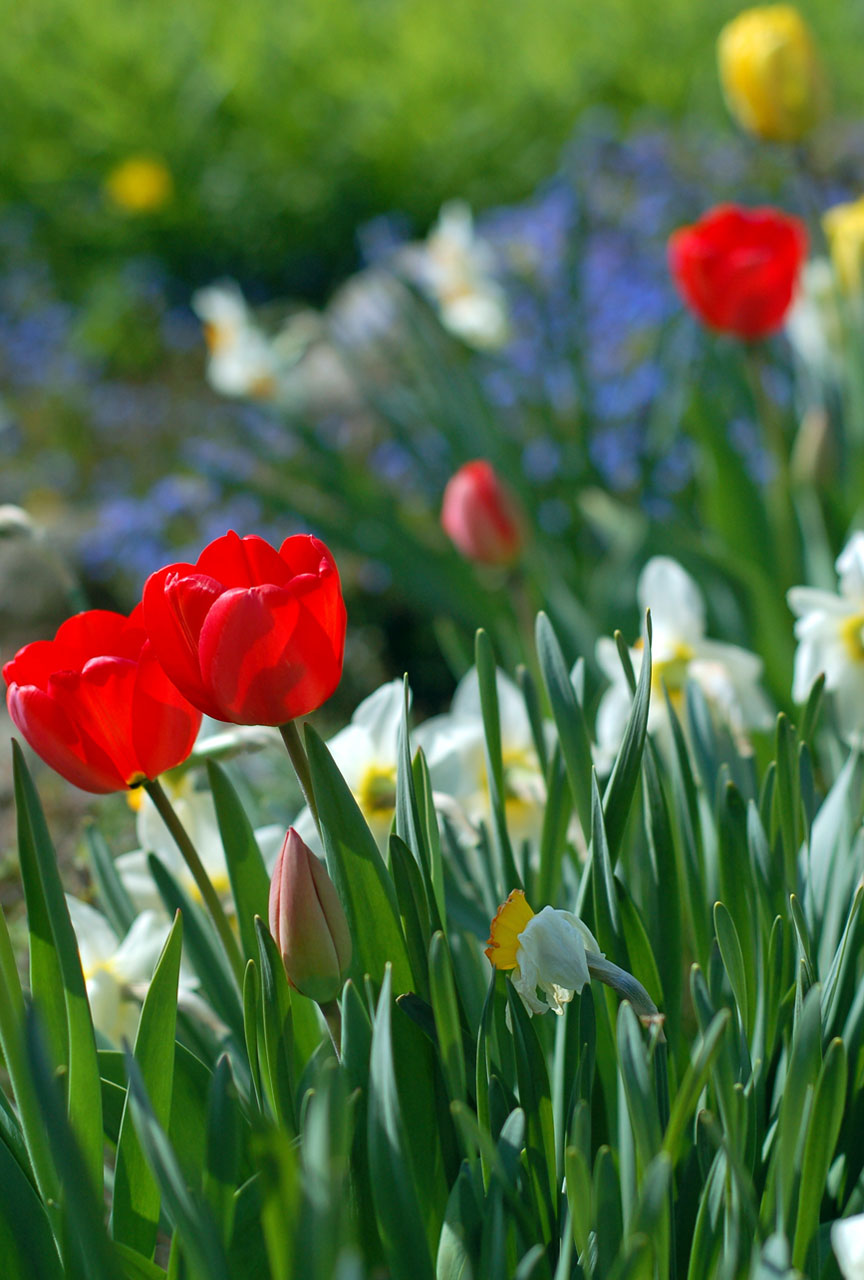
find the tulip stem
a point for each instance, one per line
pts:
(780, 485)
(158, 795)
(299, 759)
(333, 1018)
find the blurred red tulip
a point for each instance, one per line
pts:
(480, 516)
(250, 634)
(738, 268)
(97, 706)
(308, 922)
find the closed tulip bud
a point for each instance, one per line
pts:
(480, 516)
(770, 72)
(843, 225)
(308, 922)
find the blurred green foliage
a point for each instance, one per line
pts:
(287, 125)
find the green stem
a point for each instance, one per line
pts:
(299, 759)
(158, 795)
(333, 1018)
(780, 489)
(630, 989)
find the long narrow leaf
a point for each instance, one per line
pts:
(84, 1090)
(135, 1209)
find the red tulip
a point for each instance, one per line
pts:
(308, 922)
(250, 634)
(738, 268)
(480, 517)
(96, 705)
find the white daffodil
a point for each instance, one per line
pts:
(197, 813)
(116, 972)
(847, 1239)
(457, 268)
(454, 745)
(545, 952)
(830, 634)
(242, 359)
(366, 751)
(814, 325)
(727, 675)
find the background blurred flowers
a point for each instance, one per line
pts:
(140, 184)
(771, 73)
(738, 268)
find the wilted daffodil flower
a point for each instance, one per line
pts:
(770, 72)
(830, 634)
(553, 952)
(844, 230)
(308, 923)
(544, 952)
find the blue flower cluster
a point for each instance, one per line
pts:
(105, 413)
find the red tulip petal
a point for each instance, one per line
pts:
(176, 602)
(164, 724)
(243, 648)
(266, 657)
(99, 701)
(54, 737)
(243, 562)
(322, 594)
(303, 553)
(77, 640)
(99, 631)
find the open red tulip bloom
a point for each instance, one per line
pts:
(250, 634)
(738, 268)
(96, 705)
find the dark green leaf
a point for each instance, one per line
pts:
(110, 889)
(135, 1209)
(569, 718)
(203, 948)
(397, 1202)
(83, 1232)
(624, 779)
(188, 1215)
(358, 872)
(84, 1090)
(250, 884)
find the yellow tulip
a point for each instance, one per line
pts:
(140, 184)
(770, 72)
(844, 230)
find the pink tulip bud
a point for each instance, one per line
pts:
(480, 516)
(308, 923)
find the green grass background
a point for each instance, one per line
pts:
(288, 122)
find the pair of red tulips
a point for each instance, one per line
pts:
(249, 634)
